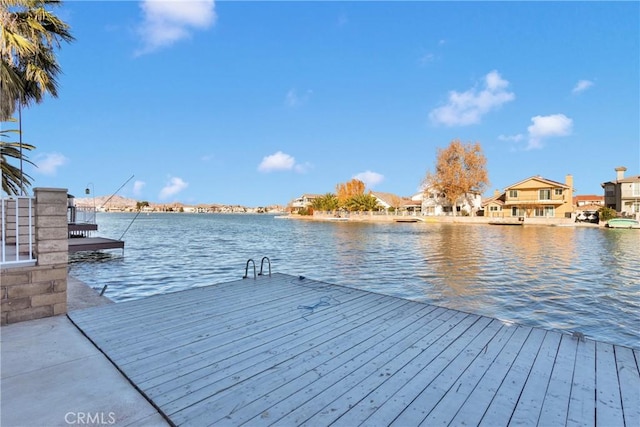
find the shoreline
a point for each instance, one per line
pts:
(477, 220)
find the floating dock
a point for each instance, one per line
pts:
(287, 351)
(78, 244)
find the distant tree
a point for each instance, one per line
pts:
(140, 205)
(362, 202)
(460, 170)
(395, 201)
(606, 213)
(327, 202)
(347, 190)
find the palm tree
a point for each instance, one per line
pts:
(362, 202)
(28, 66)
(14, 181)
(327, 202)
(29, 34)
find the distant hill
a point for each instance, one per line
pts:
(101, 201)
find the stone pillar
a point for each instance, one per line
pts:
(38, 291)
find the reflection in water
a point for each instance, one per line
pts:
(584, 279)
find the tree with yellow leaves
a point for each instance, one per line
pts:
(460, 171)
(347, 190)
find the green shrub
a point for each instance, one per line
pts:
(606, 214)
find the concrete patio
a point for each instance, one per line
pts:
(52, 375)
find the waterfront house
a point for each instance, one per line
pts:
(533, 197)
(623, 194)
(588, 201)
(434, 203)
(303, 202)
(390, 201)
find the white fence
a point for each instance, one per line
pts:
(17, 231)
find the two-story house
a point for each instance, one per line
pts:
(623, 194)
(533, 197)
(303, 202)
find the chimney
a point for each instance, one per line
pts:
(496, 193)
(620, 170)
(568, 180)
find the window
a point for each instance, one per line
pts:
(513, 194)
(544, 194)
(635, 208)
(545, 212)
(515, 211)
(635, 189)
(493, 208)
(558, 191)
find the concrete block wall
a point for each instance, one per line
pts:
(40, 291)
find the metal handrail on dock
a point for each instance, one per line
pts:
(250, 260)
(246, 270)
(262, 265)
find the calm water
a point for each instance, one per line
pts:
(575, 279)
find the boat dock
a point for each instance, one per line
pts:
(78, 244)
(286, 350)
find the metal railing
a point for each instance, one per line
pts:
(16, 230)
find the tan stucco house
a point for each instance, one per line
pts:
(534, 197)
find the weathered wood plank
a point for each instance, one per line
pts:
(476, 403)
(454, 398)
(582, 403)
(424, 367)
(248, 353)
(216, 395)
(629, 378)
(608, 403)
(259, 316)
(335, 376)
(433, 391)
(506, 398)
(556, 400)
(379, 385)
(179, 364)
(535, 388)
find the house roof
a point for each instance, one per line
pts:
(498, 200)
(587, 198)
(634, 178)
(541, 179)
(390, 198)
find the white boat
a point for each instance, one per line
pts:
(622, 223)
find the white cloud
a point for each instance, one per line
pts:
(370, 179)
(282, 162)
(168, 21)
(48, 163)
(293, 99)
(137, 187)
(546, 127)
(467, 108)
(302, 168)
(582, 85)
(173, 187)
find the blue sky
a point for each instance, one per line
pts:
(256, 103)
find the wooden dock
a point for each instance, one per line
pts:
(78, 244)
(289, 351)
